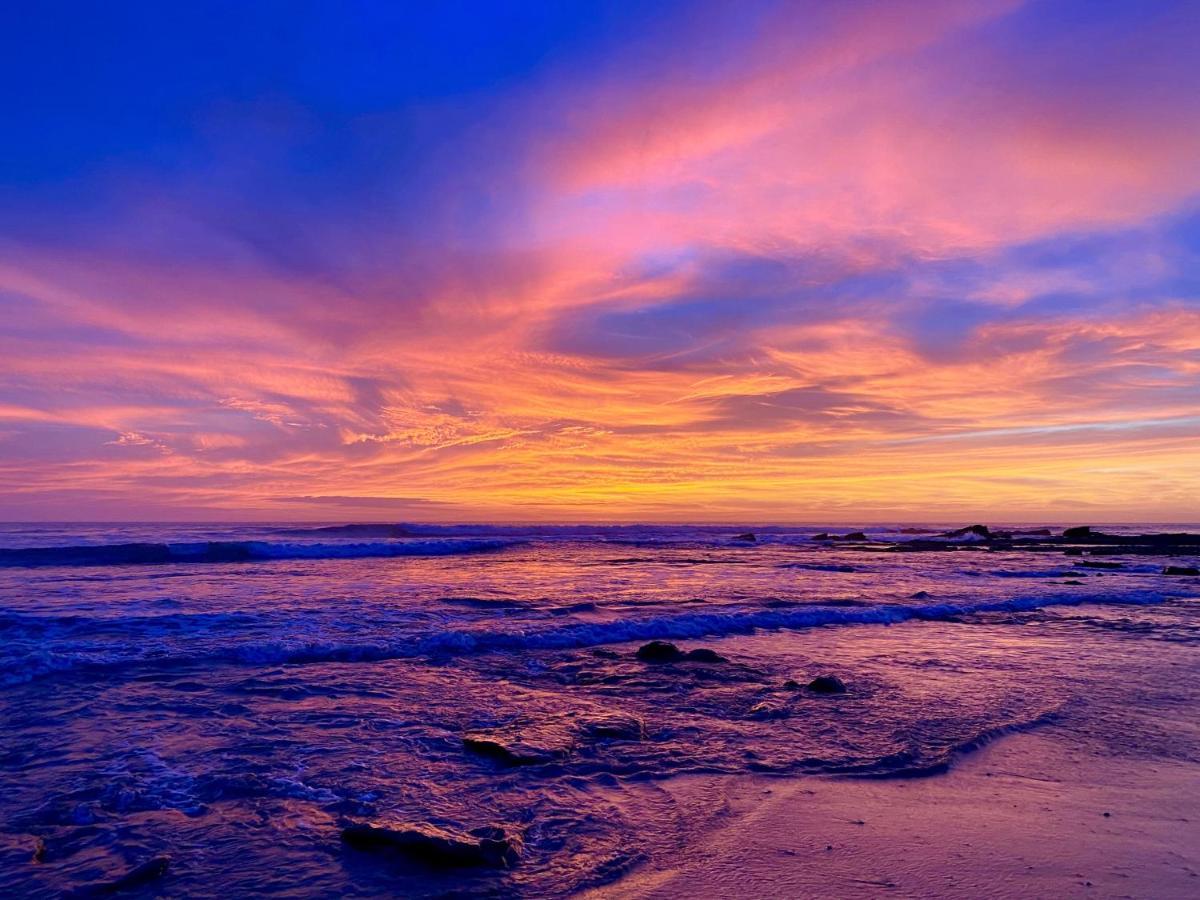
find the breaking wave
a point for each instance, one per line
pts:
(219, 646)
(234, 551)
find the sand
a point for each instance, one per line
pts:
(1023, 817)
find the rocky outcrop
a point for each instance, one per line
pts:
(659, 652)
(827, 684)
(971, 532)
(666, 652)
(523, 744)
(1181, 570)
(491, 846)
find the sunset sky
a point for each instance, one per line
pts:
(561, 261)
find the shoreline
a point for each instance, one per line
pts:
(1023, 816)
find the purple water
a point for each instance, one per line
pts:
(233, 696)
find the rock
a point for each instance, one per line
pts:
(513, 753)
(525, 743)
(1071, 581)
(748, 537)
(852, 536)
(827, 684)
(971, 531)
(616, 728)
(491, 846)
(767, 711)
(1181, 570)
(1079, 531)
(792, 685)
(137, 877)
(823, 536)
(1097, 564)
(704, 654)
(659, 652)
(920, 595)
(605, 653)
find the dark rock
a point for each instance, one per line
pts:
(616, 728)
(1097, 564)
(704, 654)
(977, 530)
(792, 685)
(852, 536)
(137, 877)
(748, 537)
(823, 536)
(1181, 570)
(525, 743)
(1071, 581)
(491, 846)
(920, 595)
(514, 753)
(659, 651)
(1080, 531)
(827, 684)
(605, 653)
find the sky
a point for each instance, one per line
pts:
(470, 261)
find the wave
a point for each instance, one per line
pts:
(234, 551)
(22, 667)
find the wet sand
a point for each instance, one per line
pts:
(1023, 817)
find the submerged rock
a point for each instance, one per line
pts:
(1097, 564)
(659, 651)
(490, 846)
(767, 711)
(1181, 570)
(137, 877)
(524, 743)
(616, 727)
(512, 751)
(852, 536)
(920, 595)
(827, 684)
(748, 537)
(704, 654)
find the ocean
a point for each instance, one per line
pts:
(232, 697)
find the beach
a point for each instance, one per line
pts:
(1028, 816)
